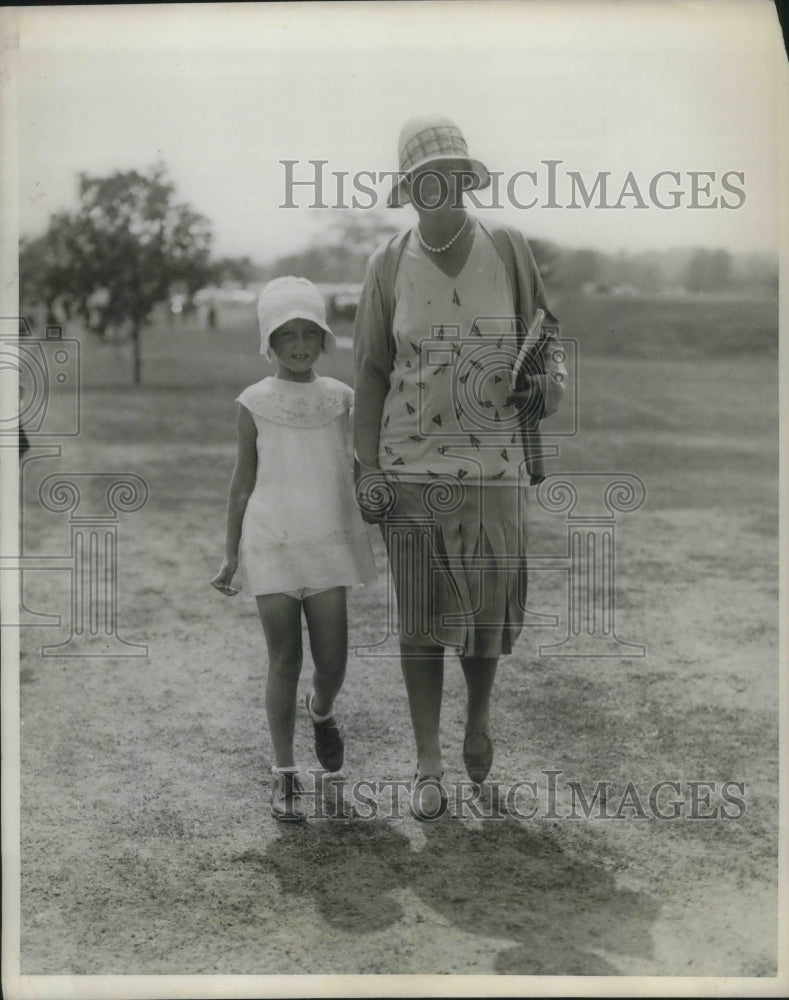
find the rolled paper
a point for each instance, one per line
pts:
(528, 342)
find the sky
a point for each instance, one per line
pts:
(223, 93)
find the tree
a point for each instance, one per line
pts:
(33, 267)
(708, 271)
(360, 231)
(547, 257)
(580, 267)
(45, 272)
(239, 270)
(340, 250)
(119, 254)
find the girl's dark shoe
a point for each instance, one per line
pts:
(329, 743)
(478, 764)
(287, 803)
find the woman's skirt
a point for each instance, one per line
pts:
(457, 554)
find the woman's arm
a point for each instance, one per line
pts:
(373, 354)
(373, 362)
(553, 382)
(552, 353)
(241, 485)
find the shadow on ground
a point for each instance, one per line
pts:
(497, 880)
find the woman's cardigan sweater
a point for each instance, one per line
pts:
(374, 344)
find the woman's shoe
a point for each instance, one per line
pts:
(287, 804)
(478, 764)
(329, 742)
(428, 798)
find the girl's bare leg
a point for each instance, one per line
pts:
(327, 621)
(280, 616)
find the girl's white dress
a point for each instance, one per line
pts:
(302, 527)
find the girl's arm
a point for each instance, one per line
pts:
(349, 434)
(241, 485)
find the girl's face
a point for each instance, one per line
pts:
(297, 345)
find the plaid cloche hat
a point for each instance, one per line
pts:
(289, 298)
(432, 139)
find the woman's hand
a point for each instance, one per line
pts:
(526, 395)
(221, 581)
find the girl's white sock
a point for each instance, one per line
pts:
(313, 716)
(293, 769)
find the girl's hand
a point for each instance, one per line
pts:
(370, 518)
(375, 497)
(221, 581)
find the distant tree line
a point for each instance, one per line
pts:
(654, 271)
(130, 245)
(339, 253)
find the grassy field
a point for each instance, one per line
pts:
(147, 844)
(683, 394)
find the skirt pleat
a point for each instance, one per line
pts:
(459, 568)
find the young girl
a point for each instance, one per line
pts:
(294, 534)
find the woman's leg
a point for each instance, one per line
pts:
(423, 673)
(480, 672)
(280, 616)
(327, 621)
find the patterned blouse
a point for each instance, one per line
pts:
(455, 346)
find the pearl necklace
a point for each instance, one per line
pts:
(446, 246)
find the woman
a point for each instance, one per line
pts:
(444, 448)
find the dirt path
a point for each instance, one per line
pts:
(147, 841)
